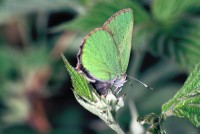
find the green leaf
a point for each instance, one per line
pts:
(100, 12)
(186, 102)
(80, 84)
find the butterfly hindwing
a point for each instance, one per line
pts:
(98, 55)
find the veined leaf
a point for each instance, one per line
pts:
(186, 102)
(80, 84)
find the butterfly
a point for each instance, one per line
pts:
(104, 54)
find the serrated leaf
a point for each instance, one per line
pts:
(80, 84)
(186, 102)
(100, 12)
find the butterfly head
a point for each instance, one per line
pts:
(119, 82)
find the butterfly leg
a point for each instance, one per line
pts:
(117, 90)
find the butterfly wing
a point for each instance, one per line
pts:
(105, 52)
(98, 56)
(120, 26)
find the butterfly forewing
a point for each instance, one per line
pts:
(120, 26)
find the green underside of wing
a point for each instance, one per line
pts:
(100, 56)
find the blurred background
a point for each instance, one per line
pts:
(35, 88)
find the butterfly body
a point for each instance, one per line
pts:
(102, 86)
(104, 54)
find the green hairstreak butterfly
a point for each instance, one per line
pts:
(104, 54)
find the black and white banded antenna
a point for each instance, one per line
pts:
(140, 82)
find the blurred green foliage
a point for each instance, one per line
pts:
(35, 94)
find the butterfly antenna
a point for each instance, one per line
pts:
(140, 82)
